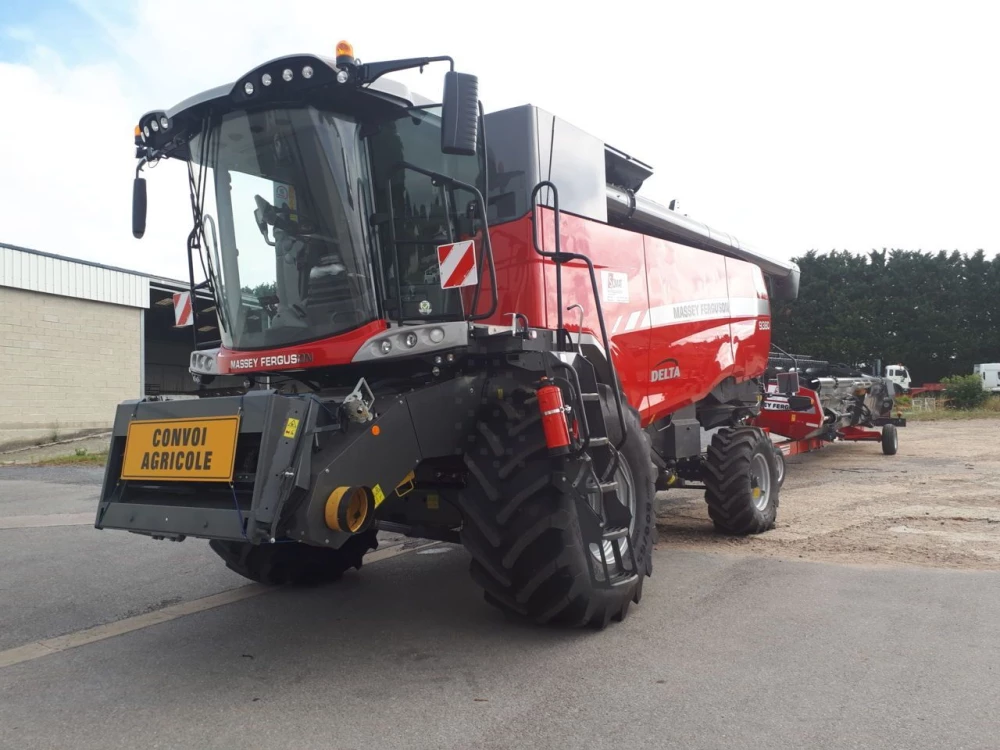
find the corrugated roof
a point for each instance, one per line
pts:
(34, 270)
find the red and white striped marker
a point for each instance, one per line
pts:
(182, 309)
(457, 263)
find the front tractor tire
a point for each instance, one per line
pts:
(292, 562)
(531, 554)
(742, 481)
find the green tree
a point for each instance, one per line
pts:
(938, 313)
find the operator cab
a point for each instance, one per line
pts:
(320, 197)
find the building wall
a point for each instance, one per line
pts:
(65, 364)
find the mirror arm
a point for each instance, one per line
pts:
(370, 72)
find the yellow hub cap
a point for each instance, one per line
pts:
(357, 510)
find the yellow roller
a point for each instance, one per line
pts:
(350, 509)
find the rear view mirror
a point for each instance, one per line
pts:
(460, 114)
(138, 207)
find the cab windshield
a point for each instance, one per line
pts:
(284, 224)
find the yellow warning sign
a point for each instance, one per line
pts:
(291, 427)
(175, 450)
(378, 494)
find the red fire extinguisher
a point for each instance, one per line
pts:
(550, 404)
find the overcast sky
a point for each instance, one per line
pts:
(793, 125)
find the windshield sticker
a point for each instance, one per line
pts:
(284, 197)
(424, 307)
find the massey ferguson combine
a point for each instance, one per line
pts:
(469, 327)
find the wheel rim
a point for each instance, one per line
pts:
(626, 494)
(760, 481)
(779, 462)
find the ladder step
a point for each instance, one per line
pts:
(608, 487)
(590, 396)
(624, 580)
(599, 441)
(618, 532)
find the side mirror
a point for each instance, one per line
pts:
(138, 207)
(788, 383)
(460, 114)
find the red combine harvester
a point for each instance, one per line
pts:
(467, 327)
(835, 402)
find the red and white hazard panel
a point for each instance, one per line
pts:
(182, 309)
(457, 263)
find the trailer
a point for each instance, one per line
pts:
(471, 328)
(811, 403)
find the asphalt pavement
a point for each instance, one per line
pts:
(723, 652)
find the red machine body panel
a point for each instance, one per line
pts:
(680, 320)
(777, 417)
(336, 350)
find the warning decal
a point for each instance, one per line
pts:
(182, 309)
(457, 263)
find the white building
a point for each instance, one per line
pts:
(77, 338)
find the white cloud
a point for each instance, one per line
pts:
(791, 125)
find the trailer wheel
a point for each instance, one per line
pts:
(292, 562)
(779, 466)
(529, 550)
(890, 440)
(741, 481)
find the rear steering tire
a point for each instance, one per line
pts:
(741, 481)
(292, 562)
(530, 551)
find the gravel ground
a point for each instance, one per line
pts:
(935, 503)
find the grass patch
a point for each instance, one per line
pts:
(989, 410)
(78, 459)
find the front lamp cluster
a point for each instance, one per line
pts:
(288, 75)
(410, 339)
(154, 126)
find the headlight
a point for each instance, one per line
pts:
(386, 346)
(436, 335)
(266, 79)
(411, 340)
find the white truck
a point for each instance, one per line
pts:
(899, 375)
(990, 373)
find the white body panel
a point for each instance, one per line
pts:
(990, 374)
